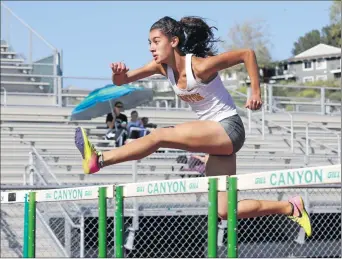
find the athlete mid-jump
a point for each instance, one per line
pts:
(183, 52)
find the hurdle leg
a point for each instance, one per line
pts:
(32, 226)
(212, 218)
(232, 248)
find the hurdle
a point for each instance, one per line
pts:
(205, 186)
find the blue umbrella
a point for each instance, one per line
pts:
(101, 101)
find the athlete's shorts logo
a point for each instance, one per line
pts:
(191, 98)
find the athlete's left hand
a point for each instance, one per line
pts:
(254, 103)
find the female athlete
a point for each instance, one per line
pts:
(183, 52)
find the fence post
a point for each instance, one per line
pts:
(30, 48)
(26, 222)
(32, 226)
(55, 87)
(119, 222)
(270, 97)
(60, 91)
(82, 235)
(307, 142)
(102, 231)
(232, 248)
(249, 111)
(323, 100)
(212, 218)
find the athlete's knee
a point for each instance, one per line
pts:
(159, 135)
(222, 214)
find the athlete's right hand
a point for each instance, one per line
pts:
(119, 68)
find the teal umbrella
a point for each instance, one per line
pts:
(101, 101)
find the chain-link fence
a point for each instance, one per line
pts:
(12, 230)
(70, 229)
(278, 236)
(166, 226)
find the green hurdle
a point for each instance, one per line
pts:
(209, 185)
(32, 226)
(26, 222)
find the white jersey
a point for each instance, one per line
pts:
(209, 101)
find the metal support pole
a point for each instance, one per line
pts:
(249, 112)
(323, 101)
(30, 48)
(82, 236)
(292, 133)
(339, 148)
(32, 226)
(102, 231)
(26, 223)
(119, 222)
(55, 86)
(263, 122)
(212, 218)
(232, 217)
(270, 97)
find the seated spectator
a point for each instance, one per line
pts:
(147, 124)
(135, 123)
(120, 118)
(117, 127)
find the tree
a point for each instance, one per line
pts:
(330, 34)
(330, 37)
(251, 34)
(335, 20)
(335, 12)
(306, 42)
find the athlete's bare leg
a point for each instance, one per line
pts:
(196, 136)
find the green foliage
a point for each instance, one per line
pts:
(242, 89)
(306, 42)
(327, 83)
(251, 34)
(309, 93)
(334, 96)
(330, 34)
(335, 12)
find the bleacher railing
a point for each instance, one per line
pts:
(37, 171)
(322, 104)
(178, 218)
(11, 22)
(30, 46)
(328, 100)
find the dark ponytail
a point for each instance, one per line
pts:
(199, 37)
(195, 36)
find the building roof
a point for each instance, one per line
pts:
(319, 51)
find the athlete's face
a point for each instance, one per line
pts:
(161, 46)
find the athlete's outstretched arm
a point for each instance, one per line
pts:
(121, 74)
(211, 65)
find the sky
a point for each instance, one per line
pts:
(94, 34)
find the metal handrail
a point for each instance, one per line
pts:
(5, 95)
(306, 87)
(64, 212)
(291, 126)
(29, 28)
(53, 236)
(327, 147)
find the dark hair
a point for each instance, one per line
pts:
(194, 34)
(118, 103)
(134, 112)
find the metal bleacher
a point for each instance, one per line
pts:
(15, 74)
(51, 133)
(43, 138)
